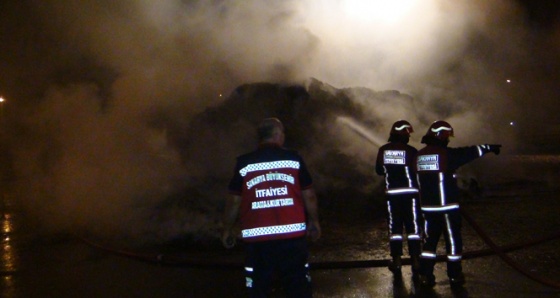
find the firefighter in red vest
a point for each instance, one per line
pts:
(272, 195)
(395, 161)
(436, 165)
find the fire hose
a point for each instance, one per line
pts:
(500, 251)
(182, 261)
(174, 260)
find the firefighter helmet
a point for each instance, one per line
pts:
(402, 127)
(440, 130)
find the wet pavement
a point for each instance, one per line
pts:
(41, 264)
(69, 268)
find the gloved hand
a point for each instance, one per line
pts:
(495, 148)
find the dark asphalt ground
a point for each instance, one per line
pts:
(34, 264)
(69, 268)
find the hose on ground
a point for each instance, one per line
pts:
(502, 253)
(184, 261)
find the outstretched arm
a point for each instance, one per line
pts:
(463, 155)
(230, 217)
(311, 206)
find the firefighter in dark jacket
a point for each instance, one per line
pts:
(436, 165)
(395, 161)
(272, 195)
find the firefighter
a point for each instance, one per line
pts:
(436, 165)
(273, 196)
(395, 161)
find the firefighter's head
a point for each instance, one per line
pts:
(271, 130)
(400, 131)
(438, 133)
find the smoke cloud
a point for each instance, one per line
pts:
(109, 115)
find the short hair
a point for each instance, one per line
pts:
(268, 128)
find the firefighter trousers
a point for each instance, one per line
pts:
(403, 215)
(447, 223)
(285, 260)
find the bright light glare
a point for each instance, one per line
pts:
(362, 41)
(387, 11)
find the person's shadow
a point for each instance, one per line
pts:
(459, 292)
(399, 290)
(419, 291)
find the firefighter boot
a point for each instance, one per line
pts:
(455, 274)
(414, 266)
(457, 281)
(427, 281)
(395, 265)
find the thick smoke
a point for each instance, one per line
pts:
(119, 115)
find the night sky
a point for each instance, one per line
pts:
(543, 14)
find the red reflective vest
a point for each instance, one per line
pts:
(270, 182)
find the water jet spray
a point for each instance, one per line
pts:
(361, 131)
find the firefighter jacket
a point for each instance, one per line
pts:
(436, 166)
(395, 160)
(269, 181)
